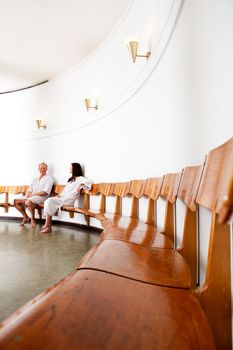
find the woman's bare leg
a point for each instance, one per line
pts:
(48, 221)
(48, 224)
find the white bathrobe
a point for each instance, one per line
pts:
(68, 196)
(43, 184)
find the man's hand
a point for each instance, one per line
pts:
(42, 193)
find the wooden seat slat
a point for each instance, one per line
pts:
(188, 189)
(226, 209)
(94, 190)
(148, 237)
(170, 186)
(57, 189)
(189, 185)
(134, 231)
(122, 189)
(219, 164)
(94, 310)
(145, 264)
(11, 190)
(137, 188)
(107, 189)
(153, 187)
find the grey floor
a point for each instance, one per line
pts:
(31, 262)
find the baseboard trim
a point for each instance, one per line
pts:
(56, 222)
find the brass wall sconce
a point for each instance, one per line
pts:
(133, 49)
(88, 104)
(40, 124)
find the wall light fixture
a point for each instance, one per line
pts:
(40, 124)
(88, 104)
(133, 49)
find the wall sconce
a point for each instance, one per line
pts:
(133, 49)
(40, 124)
(88, 104)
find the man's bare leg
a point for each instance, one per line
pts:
(31, 207)
(20, 206)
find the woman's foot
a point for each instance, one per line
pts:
(33, 223)
(47, 229)
(25, 220)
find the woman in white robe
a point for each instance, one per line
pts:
(68, 196)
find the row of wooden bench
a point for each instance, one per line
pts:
(133, 289)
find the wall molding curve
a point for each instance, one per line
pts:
(127, 93)
(99, 47)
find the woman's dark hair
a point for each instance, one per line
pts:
(76, 171)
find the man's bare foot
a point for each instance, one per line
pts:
(25, 220)
(47, 229)
(33, 223)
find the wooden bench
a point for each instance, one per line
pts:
(100, 306)
(131, 228)
(21, 190)
(11, 190)
(165, 267)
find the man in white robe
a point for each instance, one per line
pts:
(37, 193)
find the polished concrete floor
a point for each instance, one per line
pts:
(31, 262)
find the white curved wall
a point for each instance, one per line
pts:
(183, 109)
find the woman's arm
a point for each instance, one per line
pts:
(79, 188)
(86, 184)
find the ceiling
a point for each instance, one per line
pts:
(42, 38)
